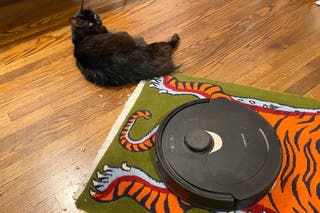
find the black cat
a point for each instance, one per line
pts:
(116, 58)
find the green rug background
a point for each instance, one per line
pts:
(160, 105)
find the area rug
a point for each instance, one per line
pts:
(124, 178)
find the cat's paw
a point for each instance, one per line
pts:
(175, 38)
(174, 41)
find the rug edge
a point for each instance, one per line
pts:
(104, 147)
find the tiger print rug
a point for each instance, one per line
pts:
(124, 177)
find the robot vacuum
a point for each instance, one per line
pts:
(217, 155)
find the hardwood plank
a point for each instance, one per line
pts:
(19, 145)
(61, 163)
(309, 81)
(314, 92)
(50, 205)
(4, 119)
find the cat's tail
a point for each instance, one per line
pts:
(174, 41)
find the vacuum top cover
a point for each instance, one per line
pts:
(217, 155)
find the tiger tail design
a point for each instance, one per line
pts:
(143, 144)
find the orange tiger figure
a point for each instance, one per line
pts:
(297, 188)
(145, 143)
(171, 85)
(298, 185)
(128, 181)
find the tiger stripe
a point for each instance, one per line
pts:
(143, 193)
(128, 146)
(148, 143)
(136, 148)
(210, 89)
(173, 204)
(136, 186)
(188, 86)
(297, 179)
(151, 199)
(122, 187)
(142, 146)
(160, 205)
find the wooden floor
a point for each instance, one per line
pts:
(52, 121)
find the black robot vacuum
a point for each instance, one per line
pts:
(217, 155)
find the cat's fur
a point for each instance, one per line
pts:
(116, 58)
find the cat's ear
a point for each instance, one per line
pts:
(74, 21)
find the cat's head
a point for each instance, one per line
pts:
(87, 22)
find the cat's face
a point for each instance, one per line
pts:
(88, 21)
